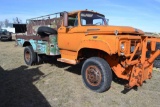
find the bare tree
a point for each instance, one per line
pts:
(1, 24)
(17, 20)
(6, 22)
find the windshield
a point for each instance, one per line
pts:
(89, 18)
(3, 30)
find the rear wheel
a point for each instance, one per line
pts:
(29, 55)
(39, 59)
(96, 74)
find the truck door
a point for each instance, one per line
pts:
(69, 38)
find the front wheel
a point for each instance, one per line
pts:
(96, 74)
(156, 63)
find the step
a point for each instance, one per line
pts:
(73, 62)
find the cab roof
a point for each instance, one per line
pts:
(77, 11)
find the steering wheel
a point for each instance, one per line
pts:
(98, 23)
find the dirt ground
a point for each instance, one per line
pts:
(60, 85)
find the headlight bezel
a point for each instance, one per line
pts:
(122, 46)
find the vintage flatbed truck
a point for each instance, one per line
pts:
(86, 36)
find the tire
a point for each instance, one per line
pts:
(39, 59)
(90, 69)
(29, 55)
(148, 54)
(46, 31)
(156, 63)
(158, 47)
(10, 39)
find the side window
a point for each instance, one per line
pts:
(76, 21)
(73, 20)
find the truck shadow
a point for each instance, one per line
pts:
(17, 88)
(123, 82)
(76, 69)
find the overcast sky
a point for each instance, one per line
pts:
(142, 14)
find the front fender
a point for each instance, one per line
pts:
(96, 44)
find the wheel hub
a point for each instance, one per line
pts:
(93, 75)
(27, 56)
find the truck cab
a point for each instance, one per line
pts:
(79, 23)
(88, 31)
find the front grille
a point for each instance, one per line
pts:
(133, 45)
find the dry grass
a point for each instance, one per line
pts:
(60, 85)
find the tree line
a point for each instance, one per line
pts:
(6, 22)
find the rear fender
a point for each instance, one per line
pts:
(24, 43)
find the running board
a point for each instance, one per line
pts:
(73, 62)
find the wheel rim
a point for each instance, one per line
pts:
(93, 76)
(27, 56)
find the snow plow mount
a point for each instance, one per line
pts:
(141, 68)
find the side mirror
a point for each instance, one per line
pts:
(65, 19)
(107, 21)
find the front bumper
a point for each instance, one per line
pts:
(5, 37)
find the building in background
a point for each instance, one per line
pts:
(9, 28)
(15, 28)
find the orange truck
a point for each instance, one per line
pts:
(85, 36)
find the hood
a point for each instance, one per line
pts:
(115, 30)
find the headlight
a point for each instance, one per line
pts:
(122, 46)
